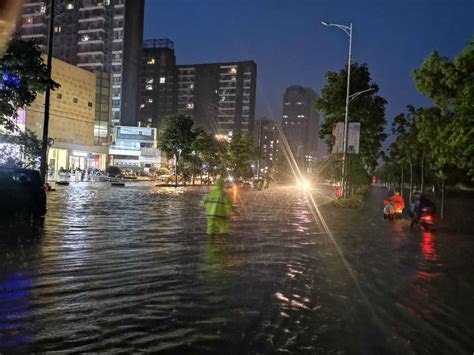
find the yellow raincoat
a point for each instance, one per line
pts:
(218, 207)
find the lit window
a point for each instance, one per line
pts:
(162, 80)
(149, 87)
(190, 106)
(149, 100)
(191, 86)
(70, 6)
(29, 20)
(287, 103)
(285, 116)
(300, 116)
(150, 61)
(149, 80)
(85, 38)
(43, 8)
(299, 103)
(233, 71)
(57, 28)
(286, 122)
(142, 106)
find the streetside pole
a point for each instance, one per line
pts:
(346, 119)
(259, 149)
(47, 98)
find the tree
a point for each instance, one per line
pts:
(177, 135)
(406, 150)
(368, 109)
(177, 138)
(24, 74)
(450, 85)
(208, 151)
(241, 153)
(435, 130)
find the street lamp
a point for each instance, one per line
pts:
(348, 31)
(354, 96)
(178, 152)
(193, 153)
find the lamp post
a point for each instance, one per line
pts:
(47, 96)
(178, 152)
(348, 31)
(193, 153)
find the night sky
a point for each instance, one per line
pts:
(290, 46)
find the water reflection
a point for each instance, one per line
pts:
(428, 246)
(14, 299)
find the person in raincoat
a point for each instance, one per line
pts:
(218, 207)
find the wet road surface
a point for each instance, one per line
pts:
(131, 269)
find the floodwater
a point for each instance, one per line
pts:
(131, 269)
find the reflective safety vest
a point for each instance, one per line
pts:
(217, 204)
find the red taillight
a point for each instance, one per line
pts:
(427, 218)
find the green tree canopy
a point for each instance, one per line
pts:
(23, 75)
(177, 135)
(368, 109)
(241, 152)
(450, 85)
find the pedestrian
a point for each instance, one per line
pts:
(77, 175)
(218, 207)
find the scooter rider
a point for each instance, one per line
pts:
(420, 202)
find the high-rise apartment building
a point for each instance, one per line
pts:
(220, 97)
(158, 82)
(96, 35)
(300, 122)
(267, 138)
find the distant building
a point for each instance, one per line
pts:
(220, 97)
(300, 123)
(73, 112)
(96, 35)
(267, 138)
(158, 82)
(135, 147)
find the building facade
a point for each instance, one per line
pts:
(72, 120)
(158, 82)
(300, 123)
(96, 35)
(134, 147)
(267, 136)
(220, 97)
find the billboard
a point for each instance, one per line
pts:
(337, 137)
(353, 138)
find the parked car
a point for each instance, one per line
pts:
(22, 191)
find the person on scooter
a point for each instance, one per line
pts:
(394, 204)
(420, 202)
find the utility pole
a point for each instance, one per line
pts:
(259, 149)
(348, 31)
(47, 97)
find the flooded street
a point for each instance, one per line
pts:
(132, 269)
